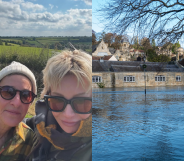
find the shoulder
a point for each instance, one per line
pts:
(25, 131)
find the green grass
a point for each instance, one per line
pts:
(28, 116)
(21, 50)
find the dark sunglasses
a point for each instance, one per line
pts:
(8, 93)
(81, 105)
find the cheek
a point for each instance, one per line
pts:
(24, 109)
(84, 116)
(3, 104)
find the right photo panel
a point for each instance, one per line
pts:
(137, 80)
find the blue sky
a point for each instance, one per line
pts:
(45, 17)
(98, 26)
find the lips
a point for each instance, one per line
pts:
(69, 124)
(12, 112)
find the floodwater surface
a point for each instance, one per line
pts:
(126, 127)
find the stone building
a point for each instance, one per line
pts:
(131, 74)
(179, 53)
(101, 49)
(125, 53)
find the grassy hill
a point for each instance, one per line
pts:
(58, 43)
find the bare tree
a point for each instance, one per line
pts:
(93, 37)
(160, 19)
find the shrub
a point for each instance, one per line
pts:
(101, 84)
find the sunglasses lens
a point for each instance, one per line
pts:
(82, 105)
(7, 92)
(56, 104)
(27, 96)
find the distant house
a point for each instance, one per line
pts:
(137, 53)
(101, 50)
(125, 53)
(131, 74)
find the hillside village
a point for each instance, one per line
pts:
(126, 53)
(124, 67)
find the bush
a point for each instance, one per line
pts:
(101, 85)
(33, 60)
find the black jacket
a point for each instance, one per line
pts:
(51, 143)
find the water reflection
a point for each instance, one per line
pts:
(126, 127)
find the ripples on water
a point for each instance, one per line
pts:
(126, 127)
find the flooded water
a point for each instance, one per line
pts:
(126, 127)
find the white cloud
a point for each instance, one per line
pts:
(51, 6)
(88, 2)
(7, 8)
(17, 20)
(32, 6)
(81, 12)
(17, 1)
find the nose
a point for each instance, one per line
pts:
(68, 112)
(16, 100)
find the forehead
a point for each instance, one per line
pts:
(18, 81)
(70, 86)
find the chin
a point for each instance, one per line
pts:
(12, 122)
(69, 130)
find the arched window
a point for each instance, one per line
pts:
(96, 79)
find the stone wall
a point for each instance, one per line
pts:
(116, 79)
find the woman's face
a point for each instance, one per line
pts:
(13, 111)
(68, 120)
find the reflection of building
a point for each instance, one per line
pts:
(127, 74)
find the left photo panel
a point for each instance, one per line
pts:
(46, 80)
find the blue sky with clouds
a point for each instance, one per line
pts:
(45, 17)
(98, 26)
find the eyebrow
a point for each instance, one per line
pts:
(59, 94)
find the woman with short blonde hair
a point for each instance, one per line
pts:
(77, 62)
(63, 122)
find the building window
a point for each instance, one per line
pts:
(96, 79)
(160, 78)
(178, 78)
(129, 79)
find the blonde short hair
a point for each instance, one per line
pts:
(77, 63)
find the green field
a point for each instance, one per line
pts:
(23, 50)
(58, 43)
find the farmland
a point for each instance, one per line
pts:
(58, 43)
(35, 51)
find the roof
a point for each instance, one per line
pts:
(180, 49)
(96, 57)
(124, 66)
(107, 57)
